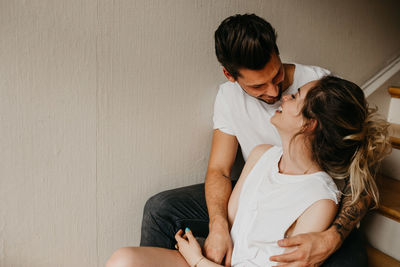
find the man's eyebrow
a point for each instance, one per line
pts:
(279, 71)
(256, 85)
(261, 84)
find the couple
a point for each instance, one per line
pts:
(323, 130)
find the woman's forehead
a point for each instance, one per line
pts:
(305, 88)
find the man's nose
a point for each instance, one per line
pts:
(272, 90)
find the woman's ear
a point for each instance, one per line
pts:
(311, 125)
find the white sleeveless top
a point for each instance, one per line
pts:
(269, 203)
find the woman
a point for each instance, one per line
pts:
(327, 130)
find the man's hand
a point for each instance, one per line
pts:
(312, 248)
(219, 244)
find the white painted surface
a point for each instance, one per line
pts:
(104, 103)
(381, 77)
(391, 165)
(381, 97)
(383, 233)
(394, 110)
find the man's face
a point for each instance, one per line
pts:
(264, 84)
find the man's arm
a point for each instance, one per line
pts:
(218, 189)
(350, 215)
(314, 248)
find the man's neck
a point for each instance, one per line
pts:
(289, 76)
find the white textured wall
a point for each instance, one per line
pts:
(104, 103)
(48, 133)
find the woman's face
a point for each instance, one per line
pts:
(288, 119)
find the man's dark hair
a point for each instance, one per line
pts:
(244, 41)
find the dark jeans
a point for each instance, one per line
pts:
(167, 212)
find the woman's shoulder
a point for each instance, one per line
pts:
(322, 186)
(257, 154)
(258, 151)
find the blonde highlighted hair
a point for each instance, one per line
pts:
(350, 140)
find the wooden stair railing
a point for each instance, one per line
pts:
(394, 92)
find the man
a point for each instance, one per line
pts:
(246, 48)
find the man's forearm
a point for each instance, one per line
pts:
(350, 214)
(218, 189)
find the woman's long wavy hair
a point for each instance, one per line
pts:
(349, 139)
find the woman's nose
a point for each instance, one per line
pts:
(287, 97)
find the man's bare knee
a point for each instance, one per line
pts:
(125, 257)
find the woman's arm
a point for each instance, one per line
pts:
(254, 156)
(189, 247)
(316, 218)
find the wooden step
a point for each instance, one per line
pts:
(395, 142)
(394, 92)
(377, 258)
(389, 190)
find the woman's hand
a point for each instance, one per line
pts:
(188, 246)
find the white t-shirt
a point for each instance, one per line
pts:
(269, 203)
(236, 113)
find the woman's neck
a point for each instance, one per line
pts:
(296, 157)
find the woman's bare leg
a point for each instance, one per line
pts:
(146, 257)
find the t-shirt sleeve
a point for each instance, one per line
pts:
(320, 72)
(326, 191)
(222, 114)
(323, 188)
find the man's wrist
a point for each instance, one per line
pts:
(218, 222)
(334, 238)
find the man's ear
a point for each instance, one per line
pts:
(228, 75)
